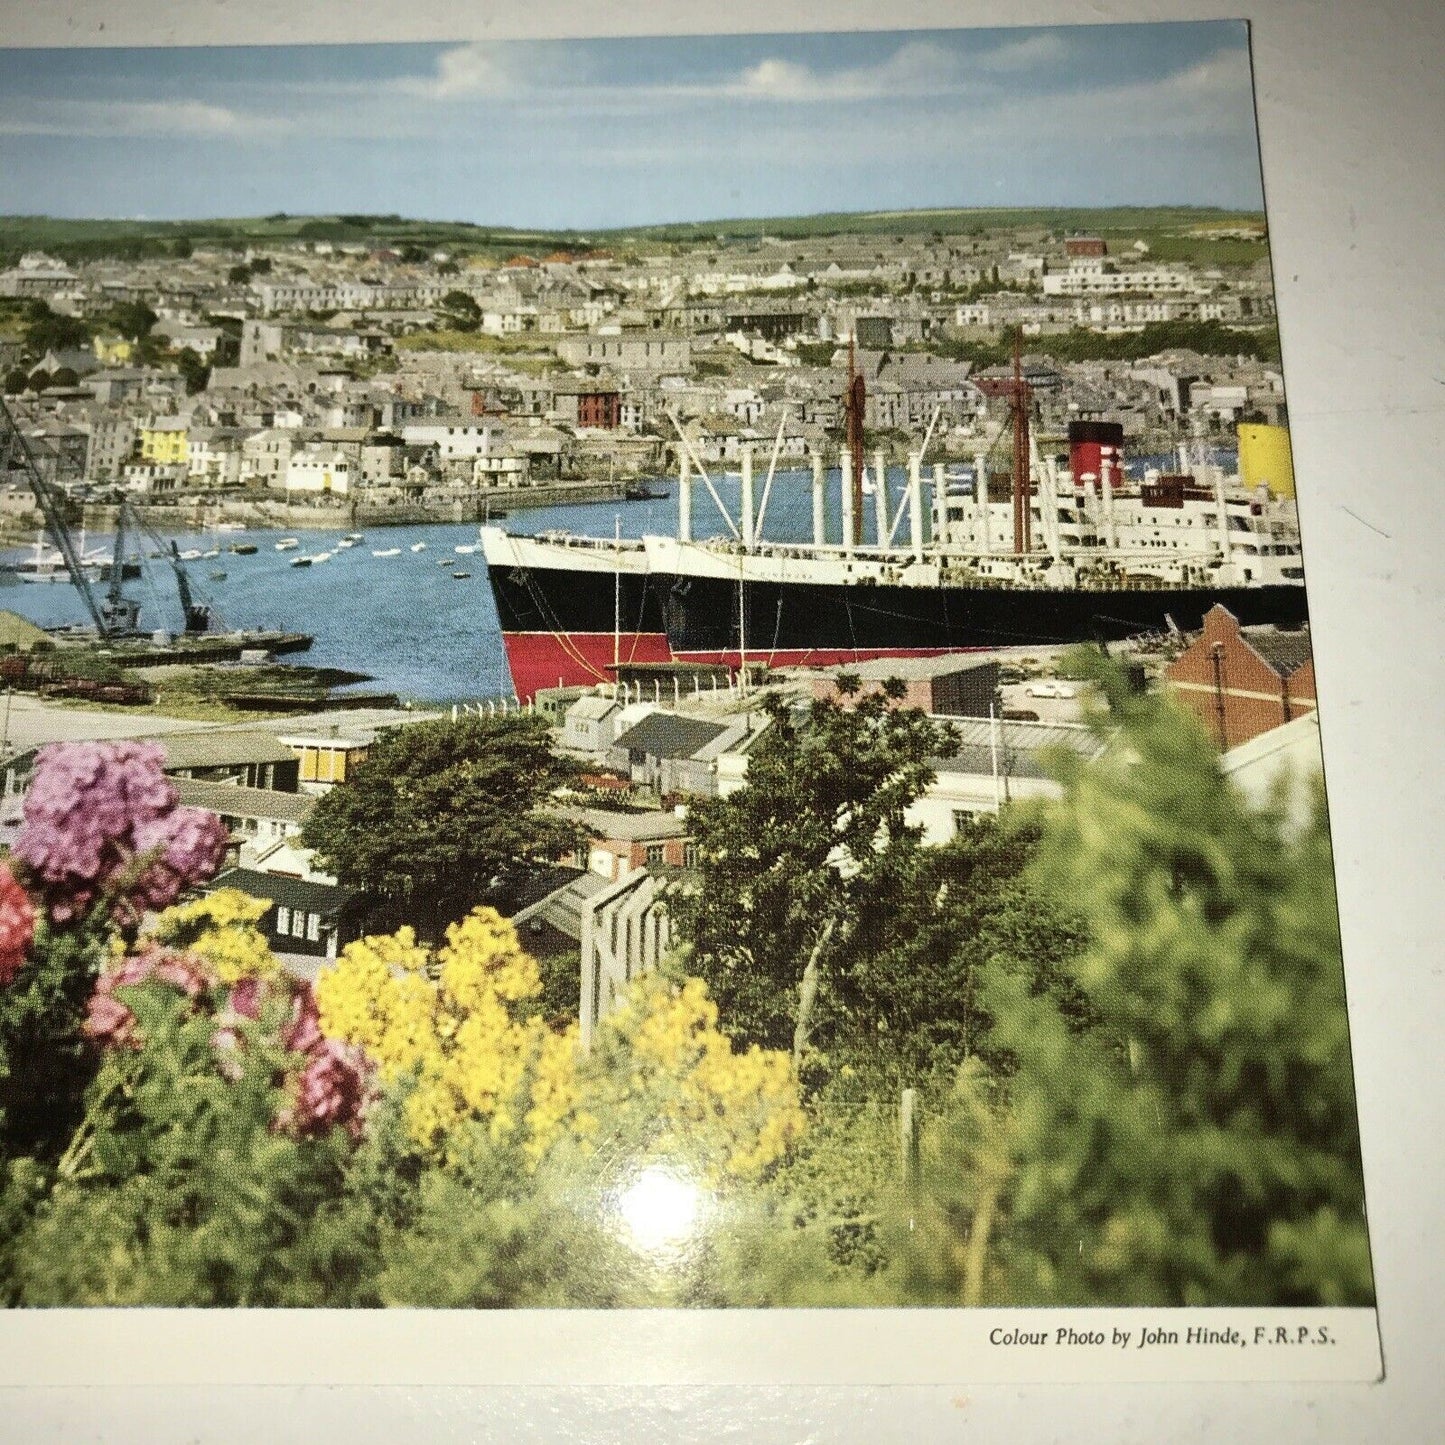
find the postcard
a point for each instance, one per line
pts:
(659, 695)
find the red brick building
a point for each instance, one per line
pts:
(1243, 681)
(600, 409)
(1084, 246)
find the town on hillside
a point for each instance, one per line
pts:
(327, 371)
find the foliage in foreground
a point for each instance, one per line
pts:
(1125, 1017)
(1197, 1144)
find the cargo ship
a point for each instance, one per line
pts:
(1055, 550)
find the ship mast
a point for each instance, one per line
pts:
(853, 406)
(1019, 399)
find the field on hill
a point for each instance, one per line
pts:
(1171, 233)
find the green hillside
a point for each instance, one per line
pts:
(1168, 231)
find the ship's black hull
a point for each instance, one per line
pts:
(703, 615)
(574, 626)
(552, 599)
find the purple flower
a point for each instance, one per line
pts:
(188, 844)
(331, 1090)
(95, 811)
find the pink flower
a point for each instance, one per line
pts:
(303, 1033)
(17, 926)
(109, 1022)
(180, 973)
(245, 999)
(331, 1090)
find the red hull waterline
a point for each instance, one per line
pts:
(582, 659)
(576, 659)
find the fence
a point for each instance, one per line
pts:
(625, 932)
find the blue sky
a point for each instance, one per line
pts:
(595, 133)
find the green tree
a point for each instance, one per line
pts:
(441, 808)
(48, 331)
(460, 312)
(1198, 1143)
(915, 982)
(132, 319)
(791, 863)
(195, 371)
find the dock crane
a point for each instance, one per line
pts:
(115, 615)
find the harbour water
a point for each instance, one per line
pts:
(406, 621)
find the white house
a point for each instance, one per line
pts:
(320, 469)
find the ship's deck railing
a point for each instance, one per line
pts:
(594, 544)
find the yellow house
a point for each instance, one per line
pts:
(163, 440)
(113, 350)
(326, 761)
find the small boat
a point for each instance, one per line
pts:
(242, 549)
(322, 556)
(418, 546)
(287, 544)
(191, 554)
(344, 543)
(387, 552)
(229, 526)
(218, 576)
(444, 562)
(460, 575)
(355, 537)
(301, 561)
(467, 548)
(214, 552)
(641, 492)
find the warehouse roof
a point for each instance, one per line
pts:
(664, 735)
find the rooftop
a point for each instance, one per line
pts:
(1286, 652)
(245, 802)
(221, 747)
(322, 898)
(664, 735)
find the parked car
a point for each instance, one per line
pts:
(1047, 688)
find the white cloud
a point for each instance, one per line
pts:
(918, 67)
(462, 73)
(1048, 47)
(179, 119)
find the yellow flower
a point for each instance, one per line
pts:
(457, 1027)
(221, 929)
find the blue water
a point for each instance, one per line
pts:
(406, 621)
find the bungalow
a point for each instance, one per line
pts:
(590, 724)
(649, 750)
(621, 843)
(315, 920)
(244, 757)
(256, 818)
